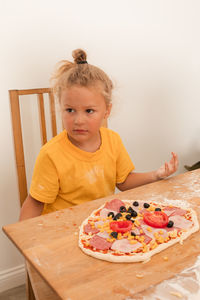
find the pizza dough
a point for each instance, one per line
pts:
(133, 231)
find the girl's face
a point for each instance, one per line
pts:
(83, 111)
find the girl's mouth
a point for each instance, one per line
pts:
(80, 130)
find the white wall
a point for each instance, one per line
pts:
(149, 48)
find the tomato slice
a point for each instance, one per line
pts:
(121, 226)
(157, 219)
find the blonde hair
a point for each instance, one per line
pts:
(81, 73)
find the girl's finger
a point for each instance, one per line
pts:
(166, 169)
(175, 160)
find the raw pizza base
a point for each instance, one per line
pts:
(136, 257)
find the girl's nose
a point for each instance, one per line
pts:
(79, 119)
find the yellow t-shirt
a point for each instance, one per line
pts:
(65, 175)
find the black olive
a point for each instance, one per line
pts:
(132, 221)
(133, 233)
(134, 214)
(114, 234)
(135, 203)
(146, 205)
(119, 215)
(158, 209)
(128, 217)
(122, 209)
(130, 210)
(170, 224)
(111, 214)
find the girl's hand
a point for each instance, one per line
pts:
(168, 168)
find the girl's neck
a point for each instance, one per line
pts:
(89, 146)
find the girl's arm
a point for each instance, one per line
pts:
(136, 179)
(31, 208)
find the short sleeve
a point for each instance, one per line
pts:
(124, 163)
(45, 182)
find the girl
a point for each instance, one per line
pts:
(85, 161)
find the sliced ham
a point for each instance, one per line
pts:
(168, 212)
(114, 204)
(104, 234)
(125, 246)
(105, 211)
(88, 228)
(147, 239)
(100, 243)
(172, 228)
(142, 211)
(174, 211)
(179, 212)
(153, 230)
(98, 223)
(180, 222)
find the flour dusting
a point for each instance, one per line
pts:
(94, 173)
(186, 284)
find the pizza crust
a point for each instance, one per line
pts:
(136, 257)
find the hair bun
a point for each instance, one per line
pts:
(79, 55)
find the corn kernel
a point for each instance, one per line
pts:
(126, 233)
(154, 246)
(139, 276)
(178, 295)
(165, 258)
(155, 235)
(173, 234)
(137, 223)
(151, 208)
(133, 242)
(149, 229)
(141, 238)
(145, 249)
(160, 240)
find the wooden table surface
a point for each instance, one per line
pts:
(50, 245)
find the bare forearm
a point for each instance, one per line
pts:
(136, 179)
(31, 208)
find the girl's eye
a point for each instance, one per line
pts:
(89, 110)
(70, 110)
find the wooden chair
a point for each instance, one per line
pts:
(41, 290)
(17, 130)
(15, 96)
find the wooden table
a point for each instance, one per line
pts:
(50, 245)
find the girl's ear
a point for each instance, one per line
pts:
(108, 110)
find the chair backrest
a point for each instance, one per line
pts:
(17, 129)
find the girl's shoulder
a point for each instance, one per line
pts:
(55, 142)
(110, 137)
(109, 133)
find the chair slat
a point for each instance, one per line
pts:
(53, 114)
(18, 144)
(33, 91)
(42, 118)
